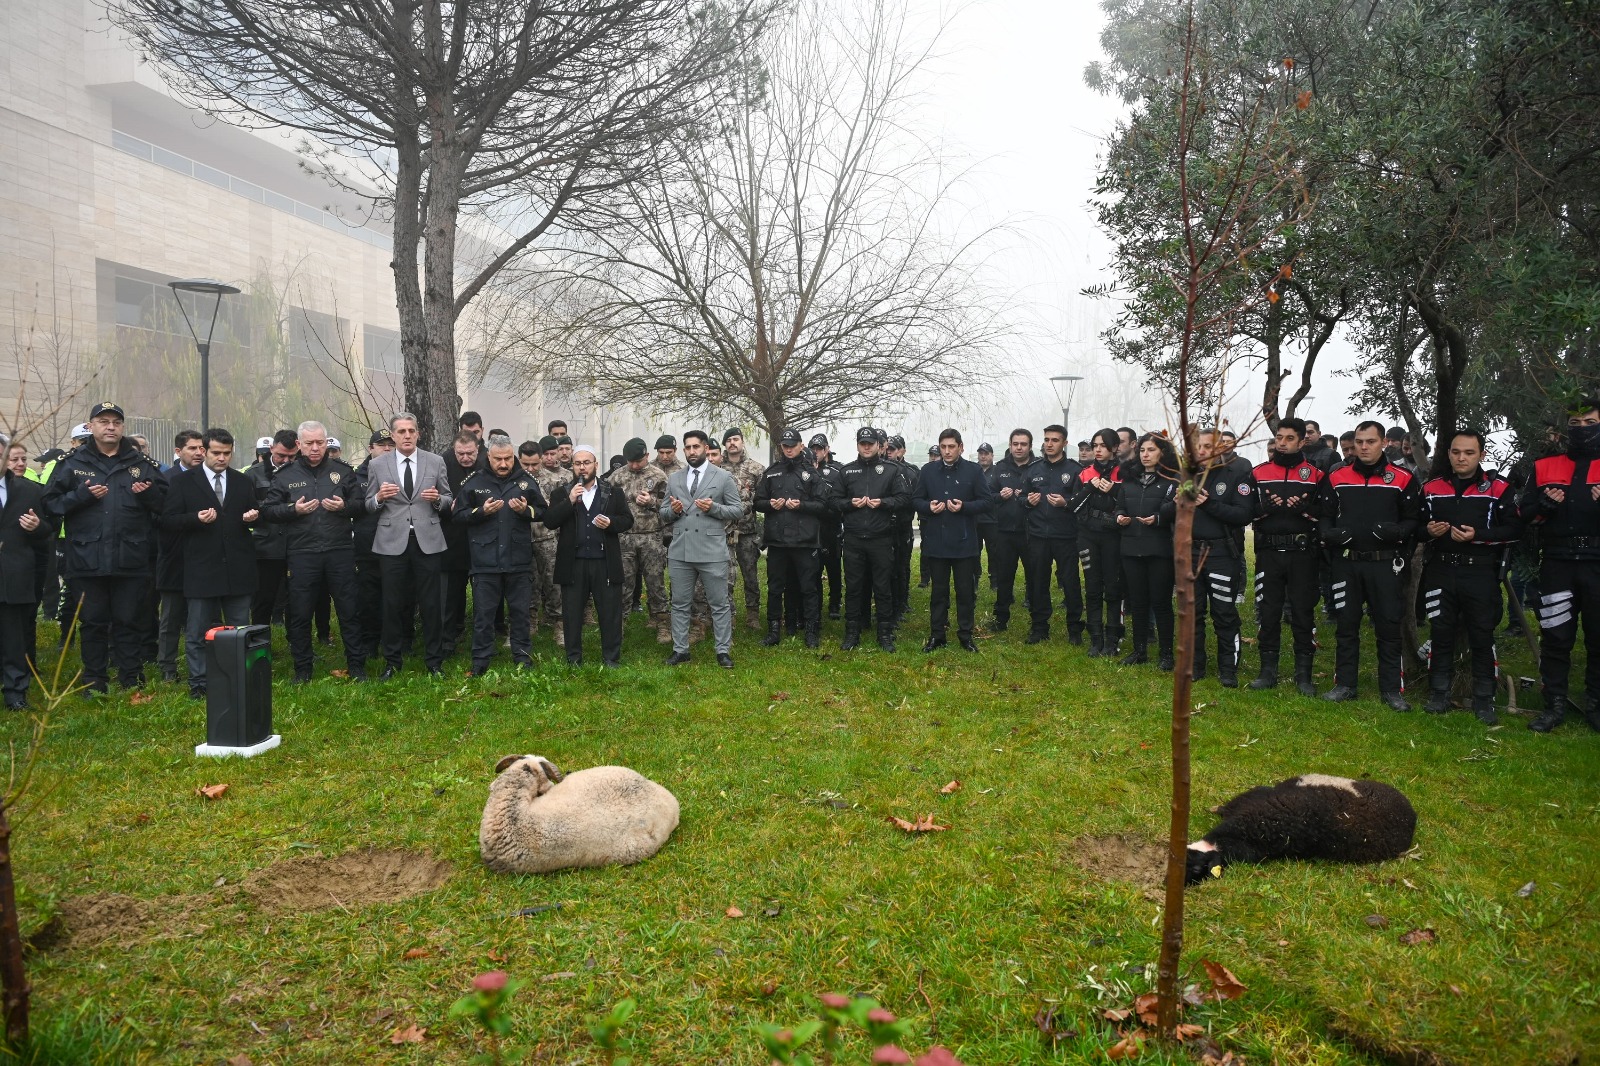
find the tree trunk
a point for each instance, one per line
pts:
(431, 393)
(1272, 340)
(1178, 826)
(407, 269)
(13, 976)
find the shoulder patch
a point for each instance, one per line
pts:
(1222, 486)
(1388, 477)
(1326, 781)
(878, 469)
(1244, 488)
(1305, 473)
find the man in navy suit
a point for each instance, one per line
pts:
(210, 509)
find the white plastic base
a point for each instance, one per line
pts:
(220, 751)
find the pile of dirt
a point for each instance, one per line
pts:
(354, 879)
(85, 920)
(1121, 858)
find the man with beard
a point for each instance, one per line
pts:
(1008, 540)
(794, 498)
(1223, 506)
(1053, 483)
(744, 538)
(272, 538)
(464, 458)
(369, 575)
(553, 482)
(1287, 551)
(496, 506)
(874, 489)
(950, 494)
(644, 555)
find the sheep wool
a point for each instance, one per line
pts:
(1314, 816)
(538, 820)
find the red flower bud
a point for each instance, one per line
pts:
(879, 1015)
(834, 1001)
(888, 1053)
(493, 981)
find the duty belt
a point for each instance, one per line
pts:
(1285, 542)
(1220, 544)
(1465, 559)
(1572, 542)
(1388, 555)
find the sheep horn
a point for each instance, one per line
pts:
(550, 770)
(500, 766)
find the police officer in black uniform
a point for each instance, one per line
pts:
(1468, 519)
(1053, 484)
(1099, 546)
(498, 506)
(369, 575)
(1287, 548)
(794, 498)
(987, 522)
(317, 498)
(874, 489)
(832, 474)
(1223, 506)
(904, 536)
(1008, 537)
(110, 495)
(272, 538)
(1370, 511)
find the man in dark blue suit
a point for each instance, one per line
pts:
(950, 495)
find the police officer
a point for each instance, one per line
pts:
(1287, 546)
(497, 507)
(554, 482)
(369, 576)
(110, 496)
(1099, 547)
(794, 498)
(272, 538)
(1008, 537)
(317, 498)
(644, 554)
(832, 475)
(26, 544)
(874, 489)
(1054, 483)
(987, 522)
(1563, 500)
(1468, 519)
(1223, 506)
(903, 535)
(1370, 510)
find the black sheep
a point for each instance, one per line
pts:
(1312, 816)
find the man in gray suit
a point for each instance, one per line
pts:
(408, 489)
(701, 499)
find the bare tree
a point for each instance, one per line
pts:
(788, 267)
(55, 367)
(520, 111)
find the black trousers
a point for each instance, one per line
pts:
(588, 581)
(369, 602)
(111, 622)
(794, 573)
(1460, 598)
(867, 565)
(313, 576)
(1376, 585)
(1285, 579)
(1060, 554)
(986, 535)
(269, 579)
(1148, 580)
(1101, 552)
(51, 605)
(17, 622)
(1569, 594)
(900, 582)
(1006, 550)
(941, 572)
(411, 582)
(453, 585)
(489, 592)
(1217, 580)
(829, 559)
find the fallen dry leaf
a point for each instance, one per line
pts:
(416, 953)
(734, 912)
(1145, 1007)
(1419, 936)
(1050, 1026)
(408, 1034)
(1377, 921)
(1126, 1048)
(382, 1014)
(211, 792)
(779, 697)
(561, 975)
(771, 987)
(1527, 890)
(1223, 984)
(925, 824)
(338, 673)
(1455, 990)
(495, 956)
(954, 786)
(1208, 1059)
(1116, 1014)
(1188, 1031)
(141, 697)
(240, 1060)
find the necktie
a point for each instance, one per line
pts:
(217, 480)
(410, 485)
(694, 483)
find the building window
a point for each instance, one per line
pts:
(381, 350)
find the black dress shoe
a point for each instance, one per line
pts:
(388, 673)
(967, 643)
(16, 704)
(358, 675)
(196, 693)
(1340, 694)
(724, 660)
(677, 658)
(301, 678)
(169, 677)
(1036, 637)
(435, 671)
(934, 643)
(611, 664)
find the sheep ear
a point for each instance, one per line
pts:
(550, 770)
(500, 766)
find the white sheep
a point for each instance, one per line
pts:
(538, 821)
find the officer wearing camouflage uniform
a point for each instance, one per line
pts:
(553, 480)
(644, 553)
(744, 541)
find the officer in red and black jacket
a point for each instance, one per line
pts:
(1287, 547)
(1371, 510)
(1053, 484)
(1225, 505)
(1563, 500)
(1100, 547)
(1468, 519)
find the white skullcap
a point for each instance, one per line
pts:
(590, 448)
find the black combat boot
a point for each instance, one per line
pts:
(1302, 675)
(852, 639)
(1097, 638)
(1138, 656)
(1438, 701)
(774, 635)
(1554, 713)
(814, 635)
(1483, 701)
(1166, 663)
(1592, 715)
(1268, 677)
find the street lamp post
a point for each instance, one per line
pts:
(1064, 384)
(203, 286)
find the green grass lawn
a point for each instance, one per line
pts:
(786, 769)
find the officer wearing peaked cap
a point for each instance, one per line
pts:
(832, 474)
(874, 488)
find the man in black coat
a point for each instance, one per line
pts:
(209, 510)
(190, 450)
(26, 541)
(588, 518)
(109, 493)
(950, 493)
(794, 497)
(272, 538)
(460, 462)
(495, 508)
